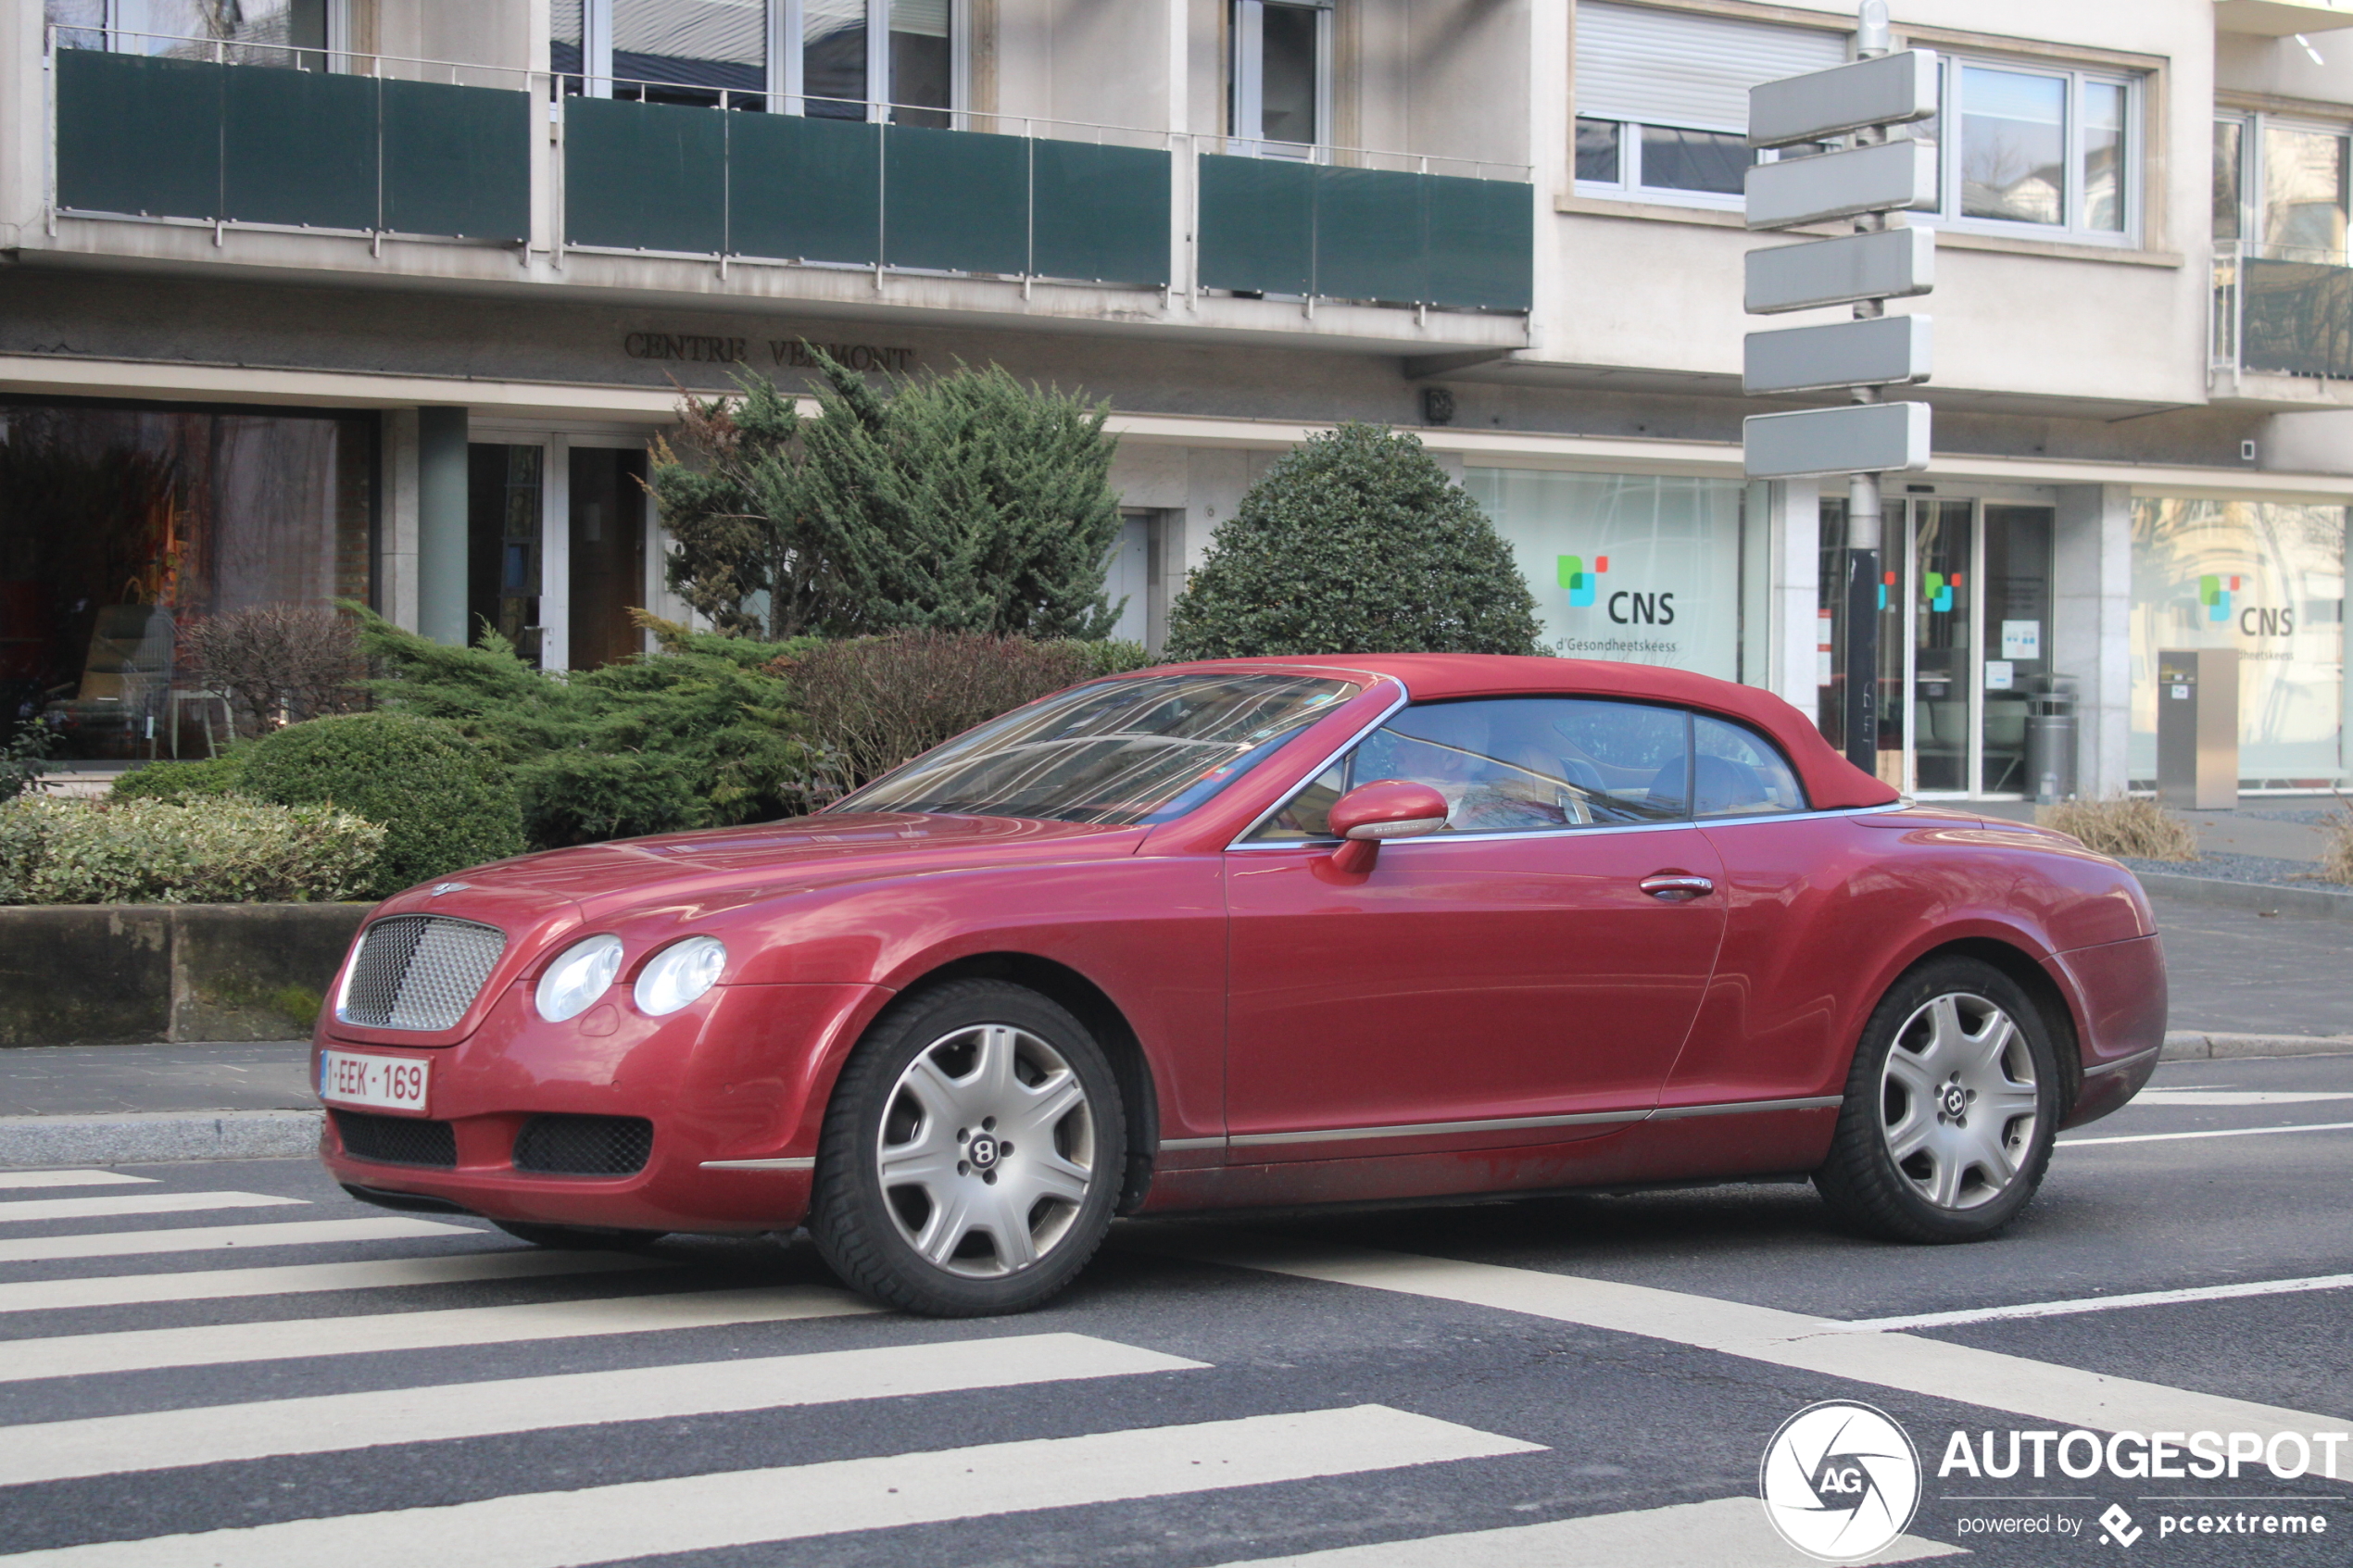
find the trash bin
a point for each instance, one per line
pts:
(2050, 742)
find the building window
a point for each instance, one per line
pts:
(837, 59)
(2283, 187)
(244, 32)
(2029, 149)
(1281, 96)
(1662, 99)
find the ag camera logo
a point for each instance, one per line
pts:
(1840, 1480)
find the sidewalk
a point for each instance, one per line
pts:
(2242, 985)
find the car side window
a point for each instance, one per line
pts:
(1516, 765)
(1737, 772)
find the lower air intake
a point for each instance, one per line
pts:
(397, 1140)
(584, 1146)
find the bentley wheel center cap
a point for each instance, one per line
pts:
(1955, 1102)
(981, 1151)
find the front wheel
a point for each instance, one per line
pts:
(1950, 1108)
(972, 1153)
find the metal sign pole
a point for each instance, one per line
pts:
(1864, 521)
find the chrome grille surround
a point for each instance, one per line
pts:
(418, 972)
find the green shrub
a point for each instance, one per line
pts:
(698, 736)
(874, 702)
(225, 850)
(1109, 658)
(181, 781)
(1355, 541)
(445, 801)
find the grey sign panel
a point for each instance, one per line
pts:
(1860, 438)
(1893, 264)
(1887, 178)
(1891, 90)
(1887, 351)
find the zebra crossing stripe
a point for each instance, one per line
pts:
(23, 1210)
(329, 1422)
(206, 1238)
(1690, 1534)
(82, 1355)
(795, 1502)
(19, 1179)
(288, 1279)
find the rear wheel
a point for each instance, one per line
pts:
(576, 1238)
(1950, 1108)
(972, 1153)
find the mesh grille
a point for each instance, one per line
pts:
(397, 1140)
(419, 972)
(584, 1146)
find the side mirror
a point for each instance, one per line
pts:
(1384, 809)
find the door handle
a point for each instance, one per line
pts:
(1676, 889)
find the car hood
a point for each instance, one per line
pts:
(722, 867)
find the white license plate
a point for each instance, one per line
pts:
(392, 1083)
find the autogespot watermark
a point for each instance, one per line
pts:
(1841, 1481)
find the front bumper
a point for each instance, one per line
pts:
(740, 1075)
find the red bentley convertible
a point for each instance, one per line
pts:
(1247, 933)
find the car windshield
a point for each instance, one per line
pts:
(1118, 752)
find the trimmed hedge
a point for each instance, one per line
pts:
(221, 850)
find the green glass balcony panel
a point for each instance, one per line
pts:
(1482, 243)
(956, 200)
(1099, 213)
(456, 160)
(2298, 318)
(1371, 238)
(804, 189)
(1257, 224)
(297, 147)
(644, 176)
(138, 134)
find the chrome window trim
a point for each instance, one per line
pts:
(1404, 696)
(1393, 843)
(1511, 1123)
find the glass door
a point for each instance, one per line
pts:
(1943, 679)
(2013, 607)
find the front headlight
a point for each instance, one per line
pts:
(578, 978)
(679, 973)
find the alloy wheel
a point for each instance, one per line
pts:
(987, 1151)
(1959, 1101)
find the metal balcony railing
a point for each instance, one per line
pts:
(2282, 311)
(423, 149)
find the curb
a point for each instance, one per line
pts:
(136, 1137)
(2262, 896)
(2195, 1045)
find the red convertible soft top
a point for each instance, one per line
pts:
(1830, 781)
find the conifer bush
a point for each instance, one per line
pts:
(1355, 541)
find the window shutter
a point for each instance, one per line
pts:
(1672, 68)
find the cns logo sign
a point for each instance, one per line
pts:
(2218, 595)
(1625, 607)
(1840, 1481)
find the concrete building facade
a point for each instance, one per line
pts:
(385, 299)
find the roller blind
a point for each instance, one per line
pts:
(1672, 68)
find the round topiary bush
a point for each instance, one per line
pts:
(1356, 542)
(444, 800)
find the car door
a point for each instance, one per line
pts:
(1510, 979)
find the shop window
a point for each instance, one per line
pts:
(1662, 99)
(247, 33)
(120, 527)
(1645, 567)
(838, 59)
(1281, 79)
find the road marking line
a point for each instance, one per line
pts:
(206, 1238)
(1690, 1534)
(2218, 1132)
(290, 1279)
(17, 1179)
(335, 1422)
(136, 1203)
(79, 1355)
(2189, 1096)
(1933, 1368)
(2100, 1303)
(795, 1502)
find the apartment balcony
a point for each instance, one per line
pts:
(2282, 327)
(470, 182)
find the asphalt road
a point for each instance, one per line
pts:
(1562, 1381)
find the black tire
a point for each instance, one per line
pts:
(1939, 1176)
(871, 1232)
(577, 1239)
